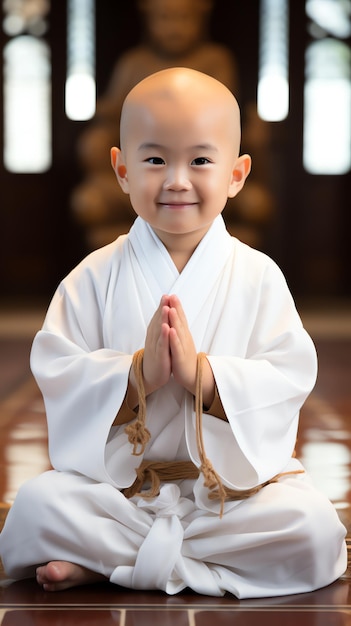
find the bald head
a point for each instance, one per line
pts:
(184, 94)
(179, 157)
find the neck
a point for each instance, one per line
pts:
(182, 246)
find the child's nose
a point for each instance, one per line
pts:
(177, 179)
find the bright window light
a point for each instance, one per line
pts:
(27, 105)
(327, 106)
(80, 93)
(273, 79)
(333, 16)
(80, 97)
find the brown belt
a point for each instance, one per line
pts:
(155, 472)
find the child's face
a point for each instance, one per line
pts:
(179, 163)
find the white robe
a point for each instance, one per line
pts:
(241, 313)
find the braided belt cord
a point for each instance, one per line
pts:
(156, 472)
(138, 434)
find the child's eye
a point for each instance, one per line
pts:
(200, 161)
(155, 161)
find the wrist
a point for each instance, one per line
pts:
(208, 384)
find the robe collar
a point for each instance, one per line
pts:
(196, 280)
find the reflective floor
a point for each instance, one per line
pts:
(324, 445)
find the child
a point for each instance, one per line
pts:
(173, 365)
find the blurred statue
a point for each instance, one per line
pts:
(175, 33)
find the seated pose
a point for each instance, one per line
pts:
(173, 365)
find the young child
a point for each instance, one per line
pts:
(173, 365)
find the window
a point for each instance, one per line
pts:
(273, 80)
(327, 91)
(27, 79)
(27, 88)
(80, 82)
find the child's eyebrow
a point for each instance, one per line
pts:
(205, 146)
(156, 146)
(150, 145)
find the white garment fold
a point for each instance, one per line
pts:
(271, 544)
(241, 314)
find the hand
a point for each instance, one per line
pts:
(182, 348)
(157, 364)
(170, 349)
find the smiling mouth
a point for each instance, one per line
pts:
(177, 205)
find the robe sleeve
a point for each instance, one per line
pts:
(262, 385)
(83, 383)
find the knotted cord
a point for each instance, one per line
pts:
(212, 479)
(156, 472)
(138, 434)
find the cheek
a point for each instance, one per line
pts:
(141, 188)
(136, 179)
(217, 184)
(219, 192)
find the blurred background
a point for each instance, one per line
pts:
(65, 69)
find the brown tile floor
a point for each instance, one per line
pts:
(324, 445)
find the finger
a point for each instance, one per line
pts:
(157, 360)
(183, 361)
(180, 326)
(175, 305)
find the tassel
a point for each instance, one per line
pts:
(218, 491)
(212, 479)
(138, 434)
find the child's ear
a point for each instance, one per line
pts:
(119, 169)
(240, 173)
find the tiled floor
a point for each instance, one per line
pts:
(324, 445)
(24, 604)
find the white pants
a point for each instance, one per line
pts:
(285, 539)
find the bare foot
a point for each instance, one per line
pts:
(59, 575)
